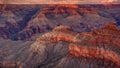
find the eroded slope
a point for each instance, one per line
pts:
(64, 48)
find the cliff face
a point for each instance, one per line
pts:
(63, 47)
(96, 49)
(20, 22)
(68, 36)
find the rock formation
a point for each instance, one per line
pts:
(22, 22)
(62, 47)
(84, 47)
(68, 36)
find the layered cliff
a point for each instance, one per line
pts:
(63, 47)
(68, 36)
(87, 49)
(21, 22)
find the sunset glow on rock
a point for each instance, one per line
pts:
(55, 34)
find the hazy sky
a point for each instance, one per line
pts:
(58, 1)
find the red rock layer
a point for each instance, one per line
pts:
(10, 65)
(61, 9)
(86, 44)
(95, 53)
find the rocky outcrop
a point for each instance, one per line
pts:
(94, 53)
(22, 22)
(62, 47)
(82, 51)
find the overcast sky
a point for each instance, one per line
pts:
(58, 1)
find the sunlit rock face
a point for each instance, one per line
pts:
(59, 36)
(62, 47)
(21, 22)
(81, 50)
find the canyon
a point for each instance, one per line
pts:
(60, 36)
